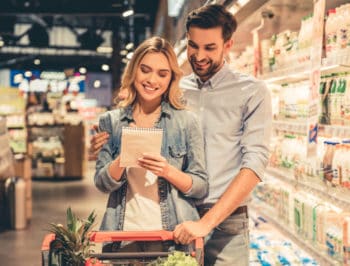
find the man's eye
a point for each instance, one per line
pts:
(192, 45)
(210, 48)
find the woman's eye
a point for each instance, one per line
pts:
(145, 70)
(163, 75)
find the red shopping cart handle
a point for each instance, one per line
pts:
(110, 236)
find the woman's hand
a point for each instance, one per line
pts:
(157, 164)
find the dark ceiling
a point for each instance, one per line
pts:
(97, 16)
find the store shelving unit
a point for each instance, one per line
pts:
(65, 160)
(335, 196)
(300, 73)
(268, 214)
(297, 177)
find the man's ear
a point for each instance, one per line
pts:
(228, 45)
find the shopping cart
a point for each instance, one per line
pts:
(195, 249)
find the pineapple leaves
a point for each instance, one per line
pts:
(72, 241)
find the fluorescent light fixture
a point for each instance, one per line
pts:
(82, 70)
(105, 67)
(104, 49)
(128, 13)
(37, 61)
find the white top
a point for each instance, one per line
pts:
(142, 212)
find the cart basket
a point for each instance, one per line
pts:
(195, 249)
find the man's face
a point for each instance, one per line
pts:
(206, 50)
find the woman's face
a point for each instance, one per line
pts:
(153, 77)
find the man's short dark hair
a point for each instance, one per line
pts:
(211, 16)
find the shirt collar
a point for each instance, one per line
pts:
(215, 79)
(126, 113)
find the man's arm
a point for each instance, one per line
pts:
(96, 142)
(238, 190)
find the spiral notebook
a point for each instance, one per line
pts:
(136, 141)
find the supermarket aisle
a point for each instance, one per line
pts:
(50, 201)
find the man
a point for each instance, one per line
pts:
(235, 111)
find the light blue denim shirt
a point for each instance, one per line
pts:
(235, 112)
(182, 146)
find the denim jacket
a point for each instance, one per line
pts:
(182, 146)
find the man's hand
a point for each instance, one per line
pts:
(188, 231)
(96, 143)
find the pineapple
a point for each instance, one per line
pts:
(72, 246)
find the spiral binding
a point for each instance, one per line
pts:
(137, 130)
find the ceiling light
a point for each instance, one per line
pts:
(128, 13)
(97, 83)
(104, 49)
(123, 52)
(129, 46)
(105, 67)
(125, 61)
(129, 55)
(82, 70)
(2, 43)
(37, 61)
(28, 74)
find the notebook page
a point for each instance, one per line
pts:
(136, 141)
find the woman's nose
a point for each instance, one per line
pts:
(152, 78)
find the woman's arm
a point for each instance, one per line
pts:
(192, 179)
(159, 166)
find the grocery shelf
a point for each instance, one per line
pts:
(268, 214)
(300, 73)
(300, 126)
(334, 130)
(296, 126)
(288, 75)
(337, 196)
(334, 68)
(44, 125)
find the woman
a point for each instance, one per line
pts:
(159, 194)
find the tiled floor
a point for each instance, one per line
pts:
(50, 201)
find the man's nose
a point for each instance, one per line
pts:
(200, 55)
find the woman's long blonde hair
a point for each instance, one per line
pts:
(173, 95)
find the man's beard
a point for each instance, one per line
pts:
(204, 74)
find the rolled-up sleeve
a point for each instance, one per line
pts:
(195, 166)
(103, 180)
(257, 131)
